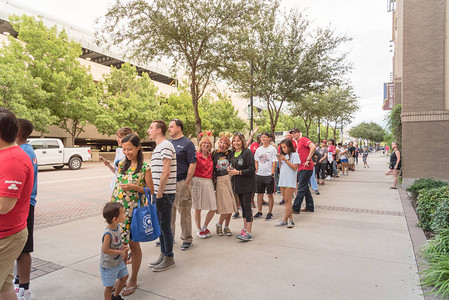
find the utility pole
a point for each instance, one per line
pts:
(251, 99)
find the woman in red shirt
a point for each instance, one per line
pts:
(203, 194)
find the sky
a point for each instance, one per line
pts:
(367, 22)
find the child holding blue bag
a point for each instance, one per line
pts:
(132, 176)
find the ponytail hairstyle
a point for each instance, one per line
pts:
(135, 140)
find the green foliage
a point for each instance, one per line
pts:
(64, 89)
(436, 252)
(394, 123)
(220, 115)
(370, 131)
(425, 183)
(428, 201)
(126, 100)
(440, 217)
(197, 35)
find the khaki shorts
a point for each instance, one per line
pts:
(10, 249)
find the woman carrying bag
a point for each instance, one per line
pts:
(132, 176)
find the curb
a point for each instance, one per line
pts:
(417, 236)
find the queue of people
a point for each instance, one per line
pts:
(180, 178)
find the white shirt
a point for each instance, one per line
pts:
(164, 150)
(265, 158)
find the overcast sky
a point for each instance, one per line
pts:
(367, 22)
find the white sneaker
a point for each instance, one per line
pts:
(291, 224)
(201, 234)
(281, 223)
(23, 294)
(328, 178)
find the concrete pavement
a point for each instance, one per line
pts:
(356, 245)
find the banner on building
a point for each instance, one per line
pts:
(388, 96)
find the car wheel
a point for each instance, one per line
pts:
(75, 163)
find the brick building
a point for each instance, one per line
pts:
(421, 77)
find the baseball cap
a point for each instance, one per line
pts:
(294, 130)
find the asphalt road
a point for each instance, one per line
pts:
(69, 195)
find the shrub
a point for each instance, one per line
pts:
(440, 217)
(428, 200)
(437, 275)
(425, 183)
(436, 251)
(436, 246)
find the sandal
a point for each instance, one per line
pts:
(129, 290)
(393, 188)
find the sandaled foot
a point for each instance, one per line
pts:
(129, 290)
(393, 188)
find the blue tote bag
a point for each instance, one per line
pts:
(145, 224)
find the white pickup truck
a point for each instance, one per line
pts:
(51, 152)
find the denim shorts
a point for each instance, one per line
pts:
(344, 160)
(110, 275)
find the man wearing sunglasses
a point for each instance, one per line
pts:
(186, 163)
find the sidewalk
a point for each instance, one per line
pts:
(356, 245)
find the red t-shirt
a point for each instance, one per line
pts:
(254, 147)
(331, 148)
(303, 150)
(16, 181)
(204, 166)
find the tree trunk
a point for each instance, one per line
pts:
(194, 93)
(335, 132)
(327, 130)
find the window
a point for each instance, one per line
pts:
(52, 144)
(37, 145)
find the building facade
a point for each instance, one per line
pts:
(421, 78)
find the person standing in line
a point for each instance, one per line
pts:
(242, 170)
(322, 162)
(289, 160)
(365, 157)
(395, 164)
(163, 169)
(356, 153)
(306, 150)
(313, 179)
(203, 194)
(225, 197)
(332, 149)
(119, 155)
(133, 175)
(265, 162)
(351, 156)
(113, 253)
(343, 152)
(16, 185)
(186, 163)
(24, 260)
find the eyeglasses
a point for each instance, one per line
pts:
(238, 133)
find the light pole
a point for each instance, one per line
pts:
(251, 99)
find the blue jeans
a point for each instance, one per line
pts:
(276, 179)
(304, 191)
(334, 167)
(313, 182)
(164, 207)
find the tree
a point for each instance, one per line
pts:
(288, 60)
(52, 58)
(394, 123)
(19, 90)
(197, 35)
(369, 131)
(126, 99)
(220, 115)
(307, 108)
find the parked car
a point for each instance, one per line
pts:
(51, 152)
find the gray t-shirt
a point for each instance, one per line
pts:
(111, 261)
(323, 152)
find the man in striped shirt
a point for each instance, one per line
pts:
(163, 170)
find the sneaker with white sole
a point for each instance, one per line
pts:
(240, 233)
(201, 234)
(291, 224)
(227, 231)
(219, 230)
(23, 294)
(207, 233)
(246, 236)
(269, 216)
(281, 223)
